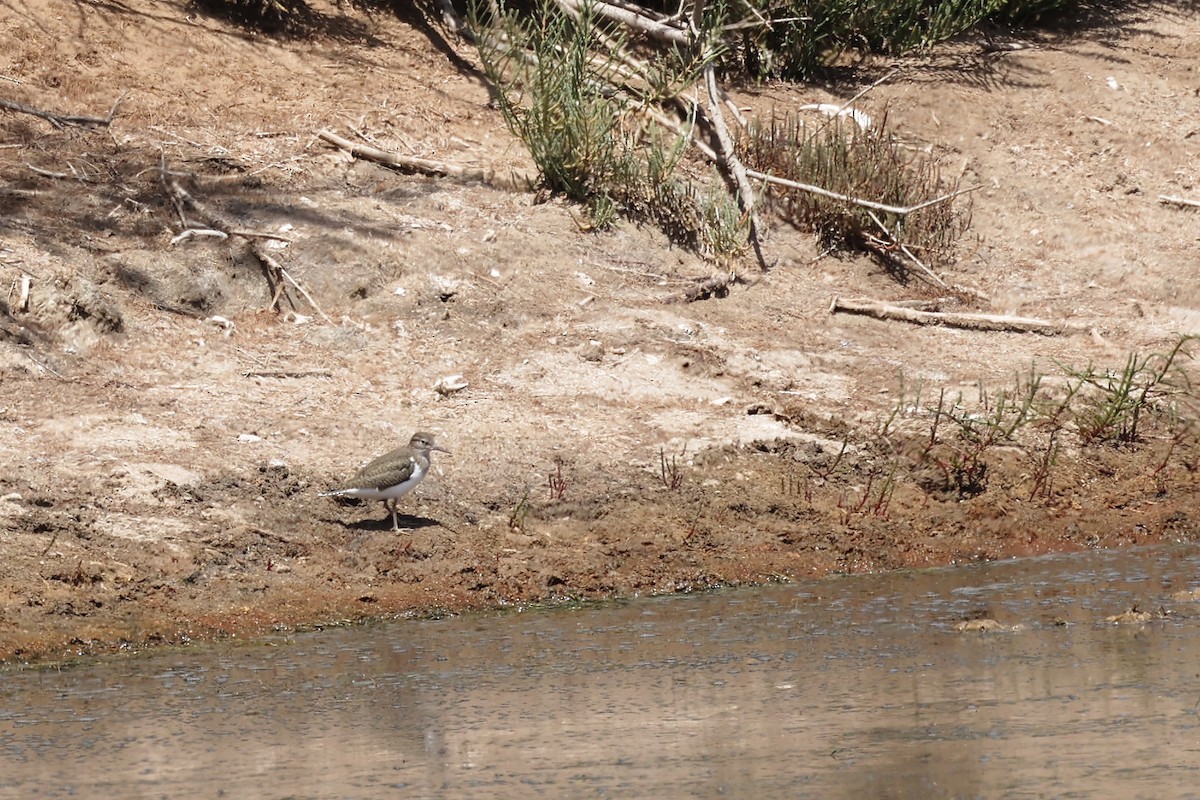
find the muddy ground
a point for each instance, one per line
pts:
(164, 432)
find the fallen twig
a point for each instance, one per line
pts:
(1178, 201)
(902, 210)
(288, 277)
(976, 322)
(903, 248)
(61, 120)
(288, 373)
(277, 276)
(513, 180)
(188, 233)
(45, 173)
(633, 19)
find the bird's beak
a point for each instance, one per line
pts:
(441, 449)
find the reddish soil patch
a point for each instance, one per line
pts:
(160, 468)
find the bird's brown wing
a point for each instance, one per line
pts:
(387, 470)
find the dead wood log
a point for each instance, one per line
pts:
(513, 180)
(974, 322)
(705, 288)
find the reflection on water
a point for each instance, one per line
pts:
(853, 687)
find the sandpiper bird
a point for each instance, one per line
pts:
(392, 475)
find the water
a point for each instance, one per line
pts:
(851, 687)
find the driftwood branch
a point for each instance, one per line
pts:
(514, 180)
(62, 120)
(974, 322)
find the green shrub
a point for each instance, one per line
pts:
(566, 93)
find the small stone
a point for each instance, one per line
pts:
(450, 384)
(592, 351)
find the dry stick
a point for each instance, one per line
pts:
(45, 173)
(733, 109)
(278, 237)
(267, 259)
(902, 210)
(975, 322)
(190, 232)
(1179, 201)
(733, 164)
(287, 276)
(649, 13)
(219, 221)
(633, 19)
(59, 120)
(941, 284)
(46, 367)
(288, 373)
(514, 180)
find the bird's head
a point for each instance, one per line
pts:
(424, 443)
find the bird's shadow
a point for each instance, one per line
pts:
(407, 523)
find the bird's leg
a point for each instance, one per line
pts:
(395, 522)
